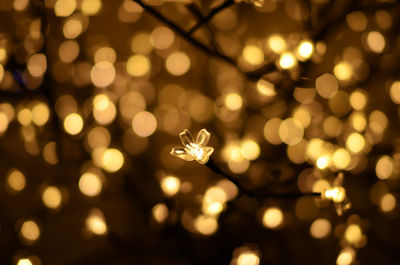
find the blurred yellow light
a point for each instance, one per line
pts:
(104, 111)
(323, 161)
(272, 217)
(358, 100)
(353, 234)
(50, 154)
(250, 149)
(3, 122)
(357, 21)
(355, 143)
(206, 225)
(102, 74)
(37, 64)
(138, 65)
(383, 19)
(303, 115)
(141, 44)
(384, 167)
(144, 124)
(291, 131)
(345, 257)
(1, 72)
(162, 38)
(320, 185)
(90, 184)
(343, 70)
(24, 116)
(305, 50)
(98, 137)
(233, 101)
(358, 121)
(214, 200)
(16, 180)
(277, 43)
(271, 131)
(24, 262)
(287, 60)
(177, 63)
(30, 231)
(326, 85)
(64, 8)
(170, 185)
(341, 158)
(52, 197)
(248, 258)
(72, 28)
(376, 41)
(40, 114)
(320, 228)
(112, 160)
(395, 92)
(266, 88)
(90, 7)
(96, 223)
(253, 54)
(160, 212)
(378, 121)
(388, 202)
(106, 54)
(68, 51)
(73, 123)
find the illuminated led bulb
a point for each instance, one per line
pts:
(287, 60)
(96, 223)
(170, 185)
(323, 161)
(335, 194)
(194, 150)
(304, 50)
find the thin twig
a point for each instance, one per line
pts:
(214, 167)
(253, 75)
(210, 15)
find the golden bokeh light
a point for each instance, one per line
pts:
(376, 41)
(253, 54)
(90, 184)
(206, 225)
(353, 234)
(345, 257)
(327, 85)
(64, 8)
(343, 70)
(37, 64)
(177, 63)
(276, 43)
(358, 99)
(40, 114)
(170, 185)
(395, 92)
(233, 101)
(384, 167)
(341, 158)
(24, 262)
(95, 222)
(357, 21)
(355, 143)
(304, 50)
(52, 197)
(387, 202)
(320, 228)
(248, 258)
(141, 44)
(102, 74)
(144, 124)
(138, 65)
(112, 160)
(162, 38)
(91, 7)
(160, 212)
(16, 180)
(287, 60)
(73, 123)
(272, 217)
(30, 231)
(291, 131)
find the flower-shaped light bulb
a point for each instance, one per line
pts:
(337, 194)
(194, 150)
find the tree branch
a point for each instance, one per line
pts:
(214, 167)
